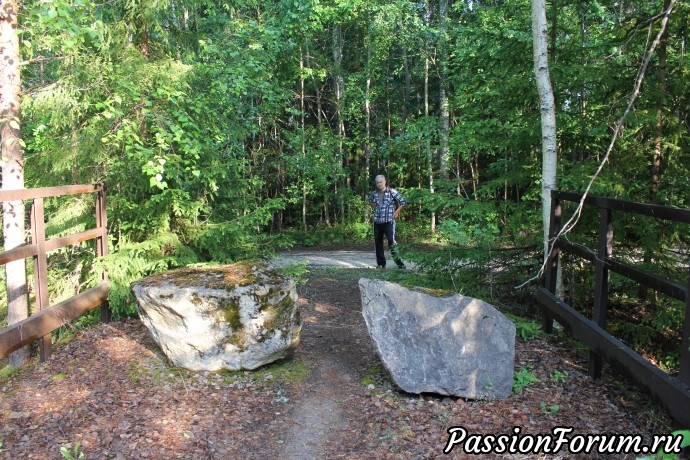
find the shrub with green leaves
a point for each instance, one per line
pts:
(523, 379)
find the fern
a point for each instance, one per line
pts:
(131, 261)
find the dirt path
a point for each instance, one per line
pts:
(321, 417)
(332, 259)
(110, 390)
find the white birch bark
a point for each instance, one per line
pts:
(12, 166)
(548, 113)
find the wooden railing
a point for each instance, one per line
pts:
(48, 318)
(671, 392)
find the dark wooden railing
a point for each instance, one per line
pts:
(672, 393)
(48, 318)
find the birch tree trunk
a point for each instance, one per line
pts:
(12, 166)
(548, 113)
(443, 92)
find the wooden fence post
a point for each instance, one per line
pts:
(684, 374)
(38, 236)
(102, 245)
(601, 289)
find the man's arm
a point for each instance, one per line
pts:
(396, 213)
(400, 201)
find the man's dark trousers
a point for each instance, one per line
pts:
(387, 229)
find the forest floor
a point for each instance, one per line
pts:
(111, 390)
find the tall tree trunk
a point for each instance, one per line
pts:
(13, 166)
(408, 81)
(317, 87)
(429, 155)
(339, 83)
(658, 141)
(319, 117)
(444, 115)
(367, 111)
(304, 141)
(578, 152)
(548, 113)
(658, 144)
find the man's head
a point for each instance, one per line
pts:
(380, 182)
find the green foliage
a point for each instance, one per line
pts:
(663, 455)
(8, 371)
(525, 329)
(321, 235)
(377, 380)
(296, 271)
(559, 377)
(72, 452)
(549, 410)
(131, 261)
(523, 379)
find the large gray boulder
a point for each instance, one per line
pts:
(449, 345)
(234, 317)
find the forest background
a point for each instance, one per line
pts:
(226, 130)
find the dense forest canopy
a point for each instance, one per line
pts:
(224, 128)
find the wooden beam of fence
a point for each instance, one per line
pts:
(668, 287)
(61, 242)
(657, 211)
(43, 322)
(20, 252)
(31, 250)
(673, 394)
(46, 192)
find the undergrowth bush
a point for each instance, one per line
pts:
(130, 261)
(322, 235)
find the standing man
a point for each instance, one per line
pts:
(387, 203)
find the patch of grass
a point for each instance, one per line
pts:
(155, 368)
(8, 371)
(59, 377)
(559, 377)
(373, 376)
(283, 372)
(378, 380)
(64, 338)
(549, 410)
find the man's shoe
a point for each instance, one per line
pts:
(380, 267)
(402, 266)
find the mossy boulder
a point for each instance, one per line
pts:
(234, 317)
